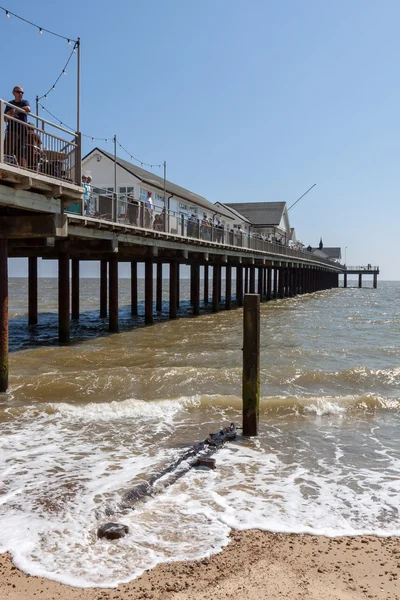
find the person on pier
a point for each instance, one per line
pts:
(16, 133)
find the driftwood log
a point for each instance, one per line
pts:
(199, 455)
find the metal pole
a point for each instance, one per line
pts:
(37, 111)
(165, 195)
(78, 87)
(115, 210)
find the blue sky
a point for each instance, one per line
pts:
(246, 101)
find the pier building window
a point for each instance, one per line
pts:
(159, 200)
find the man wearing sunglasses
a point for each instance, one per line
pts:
(15, 140)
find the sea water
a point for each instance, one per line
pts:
(83, 423)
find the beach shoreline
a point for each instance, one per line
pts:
(256, 564)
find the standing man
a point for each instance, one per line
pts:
(16, 133)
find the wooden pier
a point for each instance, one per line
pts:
(35, 223)
(360, 271)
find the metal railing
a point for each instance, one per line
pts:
(125, 209)
(41, 147)
(361, 268)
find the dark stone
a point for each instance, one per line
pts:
(206, 461)
(112, 531)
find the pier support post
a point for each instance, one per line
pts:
(252, 280)
(3, 315)
(239, 285)
(173, 289)
(281, 283)
(228, 287)
(178, 284)
(113, 294)
(216, 282)
(251, 364)
(275, 292)
(148, 292)
(159, 287)
(103, 288)
(206, 284)
(345, 280)
(134, 293)
(195, 272)
(246, 280)
(75, 288)
(260, 283)
(375, 280)
(32, 291)
(63, 297)
(269, 283)
(360, 280)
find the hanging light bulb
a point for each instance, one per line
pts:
(64, 73)
(7, 14)
(53, 88)
(69, 42)
(40, 31)
(45, 97)
(92, 139)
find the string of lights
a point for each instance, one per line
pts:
(136, 159)
(63, 72)
(100, 139)
(91, 137)
(8, 14)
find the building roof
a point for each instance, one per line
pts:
(158, 182)
(261, 214)
(235, 214)
(328, 252)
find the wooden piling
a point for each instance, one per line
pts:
(215, 290)
(173, 289)
(113, 325)
(196, 288)
(178, 284)
(375, 284)
(32, 291)
(63, 297)
(360, 280)
(159, 287)
(148, 292)
(75, 288)
(269, 283)
(205, 284)
(103, 288)
(246, 280)
(281, 283)
(260, 283)
(252, 279)
(228, 287)
(3, 315)
(251, 364)
(239, 285)
(275, 293)
(134, 291)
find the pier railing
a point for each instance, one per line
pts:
(40, 147)
(104, 205)
(361, 268)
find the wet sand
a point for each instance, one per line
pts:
(256, 565)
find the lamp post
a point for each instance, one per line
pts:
(345, 256)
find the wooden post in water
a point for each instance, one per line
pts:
(345, 280)
(239, 285)
(159, 287)
(148, 292)
(178, 284)
(269, 283)
(375, 280)
(228, 287)
(173, 288)
(32, 291)
(260, 283)
(252, 279)
(206, 284)
(246, 280)
(3, 315)
(251, 364)
(281, 283)
(275, 293)
(63, 297)
(215, 290)
(113, 294)
(196, 288)
(134, 293)
(75, 288)
(360, 280)
(103, 288)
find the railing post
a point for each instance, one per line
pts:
(1, 131)
(78, 158)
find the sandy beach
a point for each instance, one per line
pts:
(256, 565)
